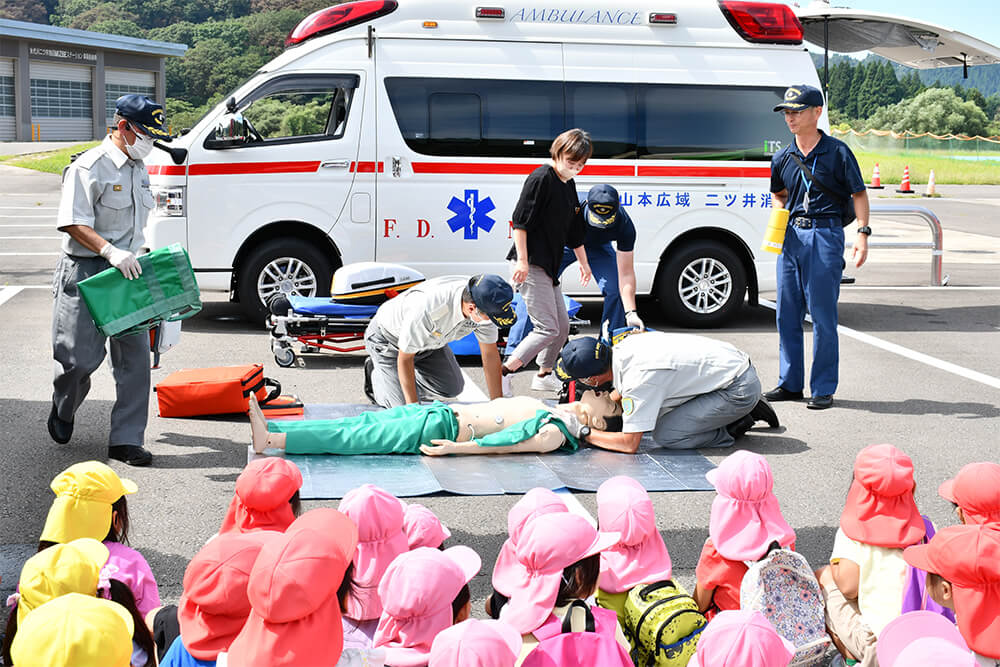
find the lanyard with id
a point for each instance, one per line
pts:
(808, 184)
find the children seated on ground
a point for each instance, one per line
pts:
(864, 583)
(640, 556)
(423, 528)
(475, 643)
(266, 497)
(75, 630)
(963, 573)
(295, 618)
(745, 521)
(214, 605)
(557, 562)
(423, 592)
(741, 639)
(923, 639)
(536, 502)
(379, 517)
(90, 502)
(975, 492)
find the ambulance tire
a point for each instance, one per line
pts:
(311, 267)
(702, 285)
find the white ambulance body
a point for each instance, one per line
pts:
(404, 134)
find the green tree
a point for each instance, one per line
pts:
(107, 11)
(67, 10)
(19, 10)
(119, 27)
(937, 110)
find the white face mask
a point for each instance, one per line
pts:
(141, 148)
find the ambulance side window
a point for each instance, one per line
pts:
(607, 112)
(299, 108)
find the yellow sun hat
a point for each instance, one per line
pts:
(75, 631)
(82, 508)
(61, 569)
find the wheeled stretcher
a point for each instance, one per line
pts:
(338, 323)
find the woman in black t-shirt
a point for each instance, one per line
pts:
(546, 219)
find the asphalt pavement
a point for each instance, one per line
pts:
(920, 368)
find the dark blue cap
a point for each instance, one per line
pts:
(601, 210)
(800, 97)
(145, 113)
(493, 296)
(583, 357)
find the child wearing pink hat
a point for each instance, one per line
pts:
(379, 517)
(418, 593)
(745, 522)
(963, 573)
(266, 497)
(640, 556)
(295, 618)
(975, 492)
(741, 639)
(423, 528)
(558, 561)
(475, 643)
(536, 502)
(923, 639)
(865, 581)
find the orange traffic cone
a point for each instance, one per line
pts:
(876, 179)
(930, 185)
(904, 187)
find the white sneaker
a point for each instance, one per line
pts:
(505, 389)
(546, 383)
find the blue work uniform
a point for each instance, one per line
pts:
(810, 265)
(601, 255)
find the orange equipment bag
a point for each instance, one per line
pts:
(286, 405)
(214, 391)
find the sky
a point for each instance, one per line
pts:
(978, 18)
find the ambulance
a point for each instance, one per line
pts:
(403, 131)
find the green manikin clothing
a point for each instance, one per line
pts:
(400, 430)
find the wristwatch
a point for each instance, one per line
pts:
(866, 230)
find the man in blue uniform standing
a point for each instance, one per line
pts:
(816, 178)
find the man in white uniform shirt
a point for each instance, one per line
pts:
(407, 340)
(686, 391)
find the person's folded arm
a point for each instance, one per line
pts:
(624, 443)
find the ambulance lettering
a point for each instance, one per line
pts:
(581, 16)
(471, 215)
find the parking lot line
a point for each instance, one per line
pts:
(947, 366)
(21, 216)
(32, 238)
(927, 288)
(23, 226)
(34, 254)
(8, 293)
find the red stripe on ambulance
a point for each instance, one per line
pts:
(710, 172)
(234, 168)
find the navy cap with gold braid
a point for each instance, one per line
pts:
(583, 357)
(493, 296)
(145, 113)
(801, 97)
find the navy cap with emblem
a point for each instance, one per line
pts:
(602, 206)
(145, 113)
(801, 97)
(583, 357)
(493, 296)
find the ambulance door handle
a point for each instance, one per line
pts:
(335, 164)
(397, 166)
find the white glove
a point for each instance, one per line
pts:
(123, 260)
(633, 320)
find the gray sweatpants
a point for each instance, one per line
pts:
(437, 371)
(701, 422)
(547, 310)
(79, 349)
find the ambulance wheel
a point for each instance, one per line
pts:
(702, 285)
(284, 357)
(281, 266)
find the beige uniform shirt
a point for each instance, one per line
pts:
(105, 190)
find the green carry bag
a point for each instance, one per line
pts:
(663, 624)
(166, 290)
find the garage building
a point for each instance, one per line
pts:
(60, 84)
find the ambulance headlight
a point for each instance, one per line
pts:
(169, 201)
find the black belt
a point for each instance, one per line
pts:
(809, 223)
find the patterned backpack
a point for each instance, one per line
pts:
(784, 589)
(560, 645)
(663, 623)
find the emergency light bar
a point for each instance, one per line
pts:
(489, 12)
(663, 18)
(763, 22)
(339, 17)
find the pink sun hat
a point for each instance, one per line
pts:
(976, 490)
(475, 643)
(507, 572)
(746, 516)
(379, 517)
(418, 590)
(880, 509)
(923, 639)
(549, 544)
(742, 638)
(422, 527)
(640, 557)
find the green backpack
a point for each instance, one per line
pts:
(663, 623)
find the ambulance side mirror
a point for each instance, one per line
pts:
(232, 131)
